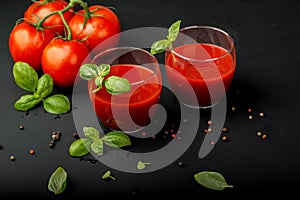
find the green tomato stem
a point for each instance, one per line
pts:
(69, 33)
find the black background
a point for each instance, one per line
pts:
(267, 36)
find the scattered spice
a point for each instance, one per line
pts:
(264, 136)
(51, 144)
(75, 135)
(224, 138)
(209, 122)
(261, 114)
(225, 130)
(180, 164)
(249, 110)
(12, 158)
(250, 117)
(32, 152)
(21, 127)
(233, 108)
(259, 133)
(212, 143)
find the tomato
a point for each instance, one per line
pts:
(26, 44)
(40, 9)
(62, 59)
(97, 28)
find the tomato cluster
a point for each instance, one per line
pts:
(56, 39)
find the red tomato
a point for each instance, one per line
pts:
(62, 59)
(39, 10)
(26, 44)
(97, 28)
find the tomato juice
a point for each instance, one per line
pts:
(208, 69)
(116, 111)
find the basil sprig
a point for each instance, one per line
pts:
(58, 181)
(113, 84)
(27, 79)
(161, 45)
(212, 180)
(94, 143)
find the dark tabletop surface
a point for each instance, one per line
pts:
(266, 35)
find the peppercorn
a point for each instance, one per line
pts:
(32, 152)
(233, 108)
(261, 114)
(75, 135)
(209, 122)
(250, 117)
(225, 130)
(12, 158)
(259, 133)
(51, 144)
(264, 136)
(224, 138)
(21, 127)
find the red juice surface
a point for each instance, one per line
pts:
(205, 68)
(115, 111)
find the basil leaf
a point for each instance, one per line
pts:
(57, 104)
(44, 85)
(173, 31)
(107, 174)
(104, 69)
(91, 132)
(142, 165)
(26, 102)
(116, 139)
(98, 83)
(80, 147)
(97, 147)
(212, 180)
(58, 181)
(25, 76)
(117, 85)
(88, 71)
(160, 46)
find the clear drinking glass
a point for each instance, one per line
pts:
(130, 111)
(201, 65)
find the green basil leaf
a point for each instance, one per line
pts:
(104, 70)
(88, 71)
(116, 139)
(160, 46)
(91, 132)
(44, 85)
(58, 181)
(97, 147)
(57, 104)
(212, 180)
(173, 31)
(142, 165)
(107, 174)
(80, 147)
(25, 76)
(26, 102)
(117, 85)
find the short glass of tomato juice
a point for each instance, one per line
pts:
(130, 111)
(200, 65)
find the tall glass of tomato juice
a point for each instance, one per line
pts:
(201, 65)
(130, 111)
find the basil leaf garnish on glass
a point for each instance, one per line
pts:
(113, 84)
(162, 45)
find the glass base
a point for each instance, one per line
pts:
(126, 131)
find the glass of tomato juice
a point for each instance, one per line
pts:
(201, 65)
(130, 111)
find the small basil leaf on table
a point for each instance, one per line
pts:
(107, 175)
(80, 147)
(25, 76)
(26, 102)
(116, 139)
(57, 104)
(212, 180)
(58, 181)
(44, 85)
(97, 147)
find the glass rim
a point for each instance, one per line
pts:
(142, 65)
(228, 51)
